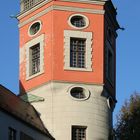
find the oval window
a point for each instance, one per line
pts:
(35, 28)
(79, 93)
(78, 21)
(111, 103)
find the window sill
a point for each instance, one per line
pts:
(78, 69)
(34, 75)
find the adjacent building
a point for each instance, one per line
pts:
(19, 120)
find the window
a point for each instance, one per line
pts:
(28, 4)
(79, 132)
(34, 28)
(110, 35)
(110, 66)
(79, 93)
(78, 21)
(109, 63)
(77, 52)
(111, 103)
(12, 134)
(35, 59)
(24, 136)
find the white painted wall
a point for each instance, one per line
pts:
(7, 121)
(60, 111)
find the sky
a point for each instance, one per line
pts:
(128, 48)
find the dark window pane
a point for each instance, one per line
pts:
(78, 92)
(110, 66)
(34, 28)
(79, 133)
(77, 52)
(78, 21)
(24, 136)
(35, 59)
(12, 134)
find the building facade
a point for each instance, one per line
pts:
(19, 120)
(67, 65)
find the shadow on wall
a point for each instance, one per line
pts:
(30, 98)
(21, 89)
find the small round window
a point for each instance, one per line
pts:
(78, 21)
(35, 28)
(79, 93)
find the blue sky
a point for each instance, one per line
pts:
(128, 48)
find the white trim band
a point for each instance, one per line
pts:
(60, 8)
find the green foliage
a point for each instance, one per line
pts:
(128, 120)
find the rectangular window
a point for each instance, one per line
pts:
(77, 52)
(28, 4)
(12, 134)
(79, 132)
(35, 59)
(24, 136)
(110, 66)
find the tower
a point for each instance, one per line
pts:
(67, 65)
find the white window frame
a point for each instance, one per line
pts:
(78, 34)
(86, 92)
(84, 18)
(28, 45)
(110, 106)
(38, 21)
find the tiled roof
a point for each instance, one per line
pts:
(24, 111)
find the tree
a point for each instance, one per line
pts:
(128, 119)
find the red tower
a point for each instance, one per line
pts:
(67, 65)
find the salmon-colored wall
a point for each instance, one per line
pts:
(53, 25)
(24, 38)
(96, 27)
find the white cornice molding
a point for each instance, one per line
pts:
(76, 9)
(61, 8)
(23, 14)
(65, 82)
(35, 16)
(99, 2)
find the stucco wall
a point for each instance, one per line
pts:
(60, 111)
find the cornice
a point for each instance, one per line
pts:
(61, 8)
(25, 13)
(64, 82)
